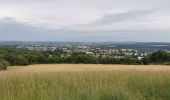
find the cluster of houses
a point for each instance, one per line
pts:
(105, 52)
(97, 52)
(39, 48)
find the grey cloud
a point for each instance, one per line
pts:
(23, 1)
(127, 16)
(11, 29)
(91, 14)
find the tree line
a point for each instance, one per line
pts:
(22, 57)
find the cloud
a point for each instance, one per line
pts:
(85, 20)
(23, 1)
(121, 17)
(11, 29)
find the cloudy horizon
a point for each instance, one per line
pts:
(85, 20)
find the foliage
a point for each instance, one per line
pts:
(3, 64)
(158, 57)
(25, 57)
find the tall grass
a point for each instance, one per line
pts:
(132, 85)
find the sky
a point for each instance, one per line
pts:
(85, 20)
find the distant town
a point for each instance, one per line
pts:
(116, 50)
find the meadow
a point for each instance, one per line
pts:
(85, 82)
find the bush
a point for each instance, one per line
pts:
(3, 64)
(159, 57)
(146, 60)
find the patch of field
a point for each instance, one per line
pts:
(86, 67)
(85, 82)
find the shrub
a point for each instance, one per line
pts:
(3, 64)
(159, 57)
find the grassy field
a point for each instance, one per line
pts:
(85, 82)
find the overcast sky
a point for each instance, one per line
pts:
(85, 20)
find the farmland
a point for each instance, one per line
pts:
(85, 82)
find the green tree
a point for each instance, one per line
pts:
(146, 60)
(3, 64)
(159, 57)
